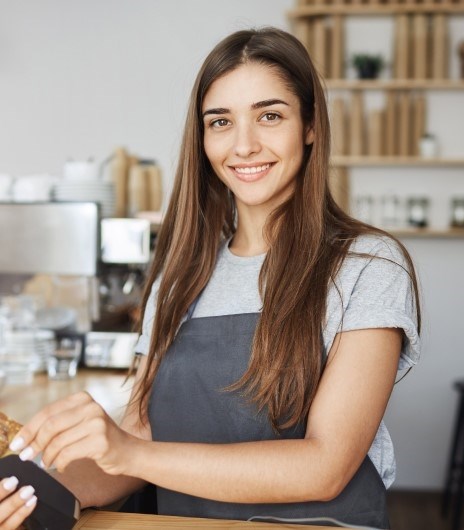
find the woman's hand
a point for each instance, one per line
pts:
(15, 504)
(74, 428)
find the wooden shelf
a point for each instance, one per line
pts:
(394, 84)
(379, 161)
(374, 10)
(452, 233)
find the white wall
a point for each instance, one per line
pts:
(422, 408)
(78, 79)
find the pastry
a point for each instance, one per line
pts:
(8, 430)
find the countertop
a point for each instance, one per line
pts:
(105, 386)
(99, 520)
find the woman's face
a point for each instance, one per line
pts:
(254, 135)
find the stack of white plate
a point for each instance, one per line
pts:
(6, 182)
(88, 190)
(32, 346)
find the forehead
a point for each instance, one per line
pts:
(248, 84)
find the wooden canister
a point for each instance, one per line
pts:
(402, 47)
(356, 124)
(419, 112)
(391, 122)
(302, 29)
(404, 132)
(155, 187)
(375, 135)
(336, 48)
(119, 176)
(338, 124)
(319, 52)
(137, 190)
(420, 46)
(440, 46)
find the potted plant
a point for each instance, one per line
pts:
(368, 66)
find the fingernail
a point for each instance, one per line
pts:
(10, 483)
(26, 454)
(42, 464)
(31, 501)
(17, 443)
(27, 492)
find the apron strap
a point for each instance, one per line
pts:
(192, 307)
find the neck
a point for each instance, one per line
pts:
(248, 240)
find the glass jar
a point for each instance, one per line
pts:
(418, 212)
(391, 214)
(457, 212)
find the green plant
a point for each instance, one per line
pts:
(368, 66)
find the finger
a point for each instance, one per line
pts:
(55, 418)
(8, 485)
(90, 447)
(23, 498)
(15, 520)
(90, 441)
(60, 442)
(62, 431)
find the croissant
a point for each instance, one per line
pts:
(8, 430)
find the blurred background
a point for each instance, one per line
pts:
(93, 97)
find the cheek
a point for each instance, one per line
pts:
(212, 150)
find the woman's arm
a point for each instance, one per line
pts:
(87, 481)
(343, 420)
(342, 423)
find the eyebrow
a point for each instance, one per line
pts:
(254, 106)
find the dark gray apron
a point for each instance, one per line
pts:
(188, 404)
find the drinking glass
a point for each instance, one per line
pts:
(63, 360)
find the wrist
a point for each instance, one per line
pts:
(136, 457)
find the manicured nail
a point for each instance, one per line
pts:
(42, 464)
(26, 492)
(26, 454)
(10, 483)
(17, 444)
(31, 501)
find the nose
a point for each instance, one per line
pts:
(246, 140)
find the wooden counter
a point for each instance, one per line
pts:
(97, 520)
(106, 387)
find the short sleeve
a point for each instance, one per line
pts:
(377, 292)
(143, 344)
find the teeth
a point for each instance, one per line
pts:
(252, 170)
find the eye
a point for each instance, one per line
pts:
(219, 123)
(270, 116)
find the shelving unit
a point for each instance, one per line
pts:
(360, 8)
(452, 233)
(387, 137)
(398, 161)
(394, 84)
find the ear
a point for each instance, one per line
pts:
(309, 137)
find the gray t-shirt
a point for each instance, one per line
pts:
(372, 293)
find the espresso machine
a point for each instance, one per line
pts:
(87, 271)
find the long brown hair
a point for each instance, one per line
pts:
(308, 238)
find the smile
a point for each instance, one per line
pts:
(252, 170)
(251, 173)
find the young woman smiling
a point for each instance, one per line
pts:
(274, 323)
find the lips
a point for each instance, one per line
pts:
(251, 173)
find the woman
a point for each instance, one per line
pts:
(274, 324)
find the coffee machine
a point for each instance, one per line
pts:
(88, 271)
